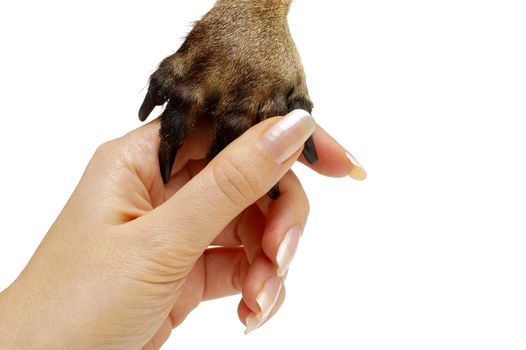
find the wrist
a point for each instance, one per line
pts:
(20, 326)
(7, 327)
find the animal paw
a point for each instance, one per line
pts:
(238, 66)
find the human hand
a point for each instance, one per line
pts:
(129, 257)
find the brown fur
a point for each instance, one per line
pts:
(238, 65)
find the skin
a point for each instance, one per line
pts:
(128, 258)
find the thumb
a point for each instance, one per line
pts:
(241, 174)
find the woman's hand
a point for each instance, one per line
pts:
(129, 257)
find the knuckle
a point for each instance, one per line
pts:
(236, 181)
(111, 151)
(106, 147)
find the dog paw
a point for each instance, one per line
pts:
(238, 66)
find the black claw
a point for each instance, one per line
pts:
(274, 192)
(304, 102)
(167, 156)
(309, 151)
(147, 107)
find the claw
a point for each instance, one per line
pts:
(167, 154)
(157, 94)
(177, 122)
(309, 151)
(147, 107)
(274, 192)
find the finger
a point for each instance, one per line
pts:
(333, 159)
(243, 311)
(246, 230)
(219, 273)
(225, 271)
(235, 179)
(180, 177)
(229, 237)
(286, 219)
(250, 320)
(260, 284)
(261, 287)
(277, 307)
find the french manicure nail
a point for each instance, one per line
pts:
(268, 296)
(287, 250)
(286, 137)
(266, 299)
(252, 323)
(357, 171)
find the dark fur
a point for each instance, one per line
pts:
(238, 65)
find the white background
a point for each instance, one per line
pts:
(428, 253)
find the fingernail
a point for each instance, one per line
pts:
(287, 250)
(357, 171)
(286, 137)
(252, 323)
(266, 299)
(268, 296)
